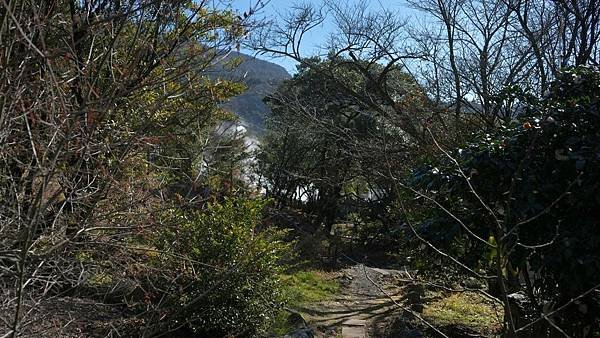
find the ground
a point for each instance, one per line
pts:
(359, 300)
(353, 302)
(373, 302)
(70, 317)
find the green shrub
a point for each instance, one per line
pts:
(226, 272)
(540, 179)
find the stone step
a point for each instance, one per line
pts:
(354, 328)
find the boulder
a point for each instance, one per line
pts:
(305, 332)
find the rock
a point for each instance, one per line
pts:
(355, 322)
(414, 294)
(305, 332)
(354, 328)
(521, 310)
(296, 320)
(518, 297)
(383, 272)
(471, 283)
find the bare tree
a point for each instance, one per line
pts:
(481, 50)
(86, 87)
(492, 45)
(369, 42)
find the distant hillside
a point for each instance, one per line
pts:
(262, 78)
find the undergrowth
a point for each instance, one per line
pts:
(467, 310)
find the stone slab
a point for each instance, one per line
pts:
(354, 328)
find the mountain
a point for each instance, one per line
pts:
(262, 78)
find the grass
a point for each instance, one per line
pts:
(304, 287)
(312, 286)
(465, 309)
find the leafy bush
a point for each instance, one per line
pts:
(539, 179)
(227, 272)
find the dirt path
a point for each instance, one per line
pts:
(362, 309)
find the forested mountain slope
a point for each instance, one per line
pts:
(261, 77)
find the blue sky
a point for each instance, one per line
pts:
(312, 42)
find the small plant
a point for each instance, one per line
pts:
(227, 272)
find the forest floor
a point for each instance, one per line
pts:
(380, 303)
(70, 317)
(380, 298)
(369, 301)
